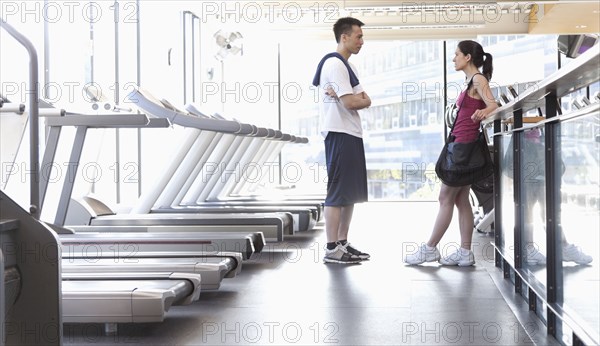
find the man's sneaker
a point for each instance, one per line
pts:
(422, 255)
(459, 258)
(572, 253)
(340, 255)
(353, 251)
(535, 257)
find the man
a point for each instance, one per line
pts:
(341, 126)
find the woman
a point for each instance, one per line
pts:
(475, 103)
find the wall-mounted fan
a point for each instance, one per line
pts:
(229, 43)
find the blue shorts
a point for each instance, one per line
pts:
(346, 170)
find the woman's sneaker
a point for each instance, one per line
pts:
(423, 254)
(340, 255)
(573, 253)
(353, 251)
(535, 257)
(461, 257)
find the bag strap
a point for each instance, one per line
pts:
(463, 100)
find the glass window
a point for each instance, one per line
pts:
(533, 236)
(403, 129)
(579, 220)
(507, 192)
(161, 69)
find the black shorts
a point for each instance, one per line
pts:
(346, 170)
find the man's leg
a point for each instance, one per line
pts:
(345, 219)
(332, 222)
(344, 226)
(337, 221)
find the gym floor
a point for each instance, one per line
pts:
(287, 295)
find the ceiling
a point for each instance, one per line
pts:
(395, 20)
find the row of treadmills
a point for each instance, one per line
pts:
(193, 228)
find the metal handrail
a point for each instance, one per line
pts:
(34, 149)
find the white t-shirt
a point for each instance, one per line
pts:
(334, 116)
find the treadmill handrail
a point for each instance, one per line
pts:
(34, 108)
(246, 129)
(143, 102)
(17, 108)
(262, 132)
(156, 123)
(102, 121)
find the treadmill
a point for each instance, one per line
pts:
(278, 223)
(125, 297)
(193, 195)
(82, 123)
(249, 152)
(121, 245)
(230, 263)
(89, 214)
(129, 243)
(212, 270)
(46, 307)
(187, 186)
(257, 152)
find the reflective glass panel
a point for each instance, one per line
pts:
(579, 216)
(533, 245)
(507, 193)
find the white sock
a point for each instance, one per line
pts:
(464, 251)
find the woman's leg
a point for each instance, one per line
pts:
(464, 256)
(465, 217)
(446, 199)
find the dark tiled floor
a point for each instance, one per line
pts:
(288, 296)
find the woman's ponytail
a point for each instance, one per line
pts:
(488, 67)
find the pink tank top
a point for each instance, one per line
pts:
(465, 130)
